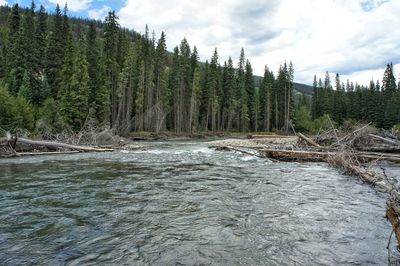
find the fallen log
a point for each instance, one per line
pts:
(382, 148)
(272, 136)
(386, 140)
(308, 140)
(59, 145)
(45, 153)
(322, 156)
(229, 148)
(392, 216)
(297, 156)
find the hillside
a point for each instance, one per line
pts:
(307, 89)
(299, 87)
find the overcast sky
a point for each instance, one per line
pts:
(355, 38)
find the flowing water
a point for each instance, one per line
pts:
(184, 204)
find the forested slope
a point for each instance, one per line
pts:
(61, 73)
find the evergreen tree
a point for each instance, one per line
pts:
(244, 117)
(25, 89)
(111, 31)
(126, 95)
(266, 88)
(30, 56)
(205, 96)
(14, 70)
(75, 85)
(389, 81)
(229, 94)
(195, 92)
(173, 85)
(55, 53)
(160, 75)
(40, 38)
(315, 99)
(250, 91)
(214, 98)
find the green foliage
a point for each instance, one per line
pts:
(50, 120)
(15, 112)
(24, 115)
(7, 110)
(376, 104)
(75, 87)
(303, 121)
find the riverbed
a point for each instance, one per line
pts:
(181, 203)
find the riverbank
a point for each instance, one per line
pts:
(106, 140)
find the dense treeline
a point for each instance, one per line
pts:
(376, 103)
(58, 72)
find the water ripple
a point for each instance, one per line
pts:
(185, 204)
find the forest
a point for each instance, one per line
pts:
(62, 73)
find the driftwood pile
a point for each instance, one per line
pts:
(12, 146)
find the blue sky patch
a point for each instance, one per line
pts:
(80, 8)
(369, 5)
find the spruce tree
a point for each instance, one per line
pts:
(244, 117)
(14, 58)
(389, 81)
(75, 86)
(266, 89)
(30, 55)
(40, 38)
(250, 91)
(229, 94)
(55, 53)
(111, 31)
(214, 98)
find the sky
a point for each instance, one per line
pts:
(355, 38)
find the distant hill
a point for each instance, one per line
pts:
(300, 87)
(307, 89)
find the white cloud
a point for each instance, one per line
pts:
(353, 38)
(73, 5)
(99, 14)
(3, 2)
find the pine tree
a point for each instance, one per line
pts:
(160, 75)
(184, 89)
(126, 95)
(139, 99)
(14, 70)
(250, 91)
(266, 88)
(30, 56)
(25, 89)
(195, 92)
(339, 108)
(213, 104)
(315, 99)
(195, 100)
(65, 91)
(40, 38)
(102, 104)
(75, 93)
(93, 56)
(111, 31)
(244, 117)
(229, 94)
(55, 53)
(390, 95)
(205, 96)
(389, 81)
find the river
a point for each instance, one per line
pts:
(181, 203)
